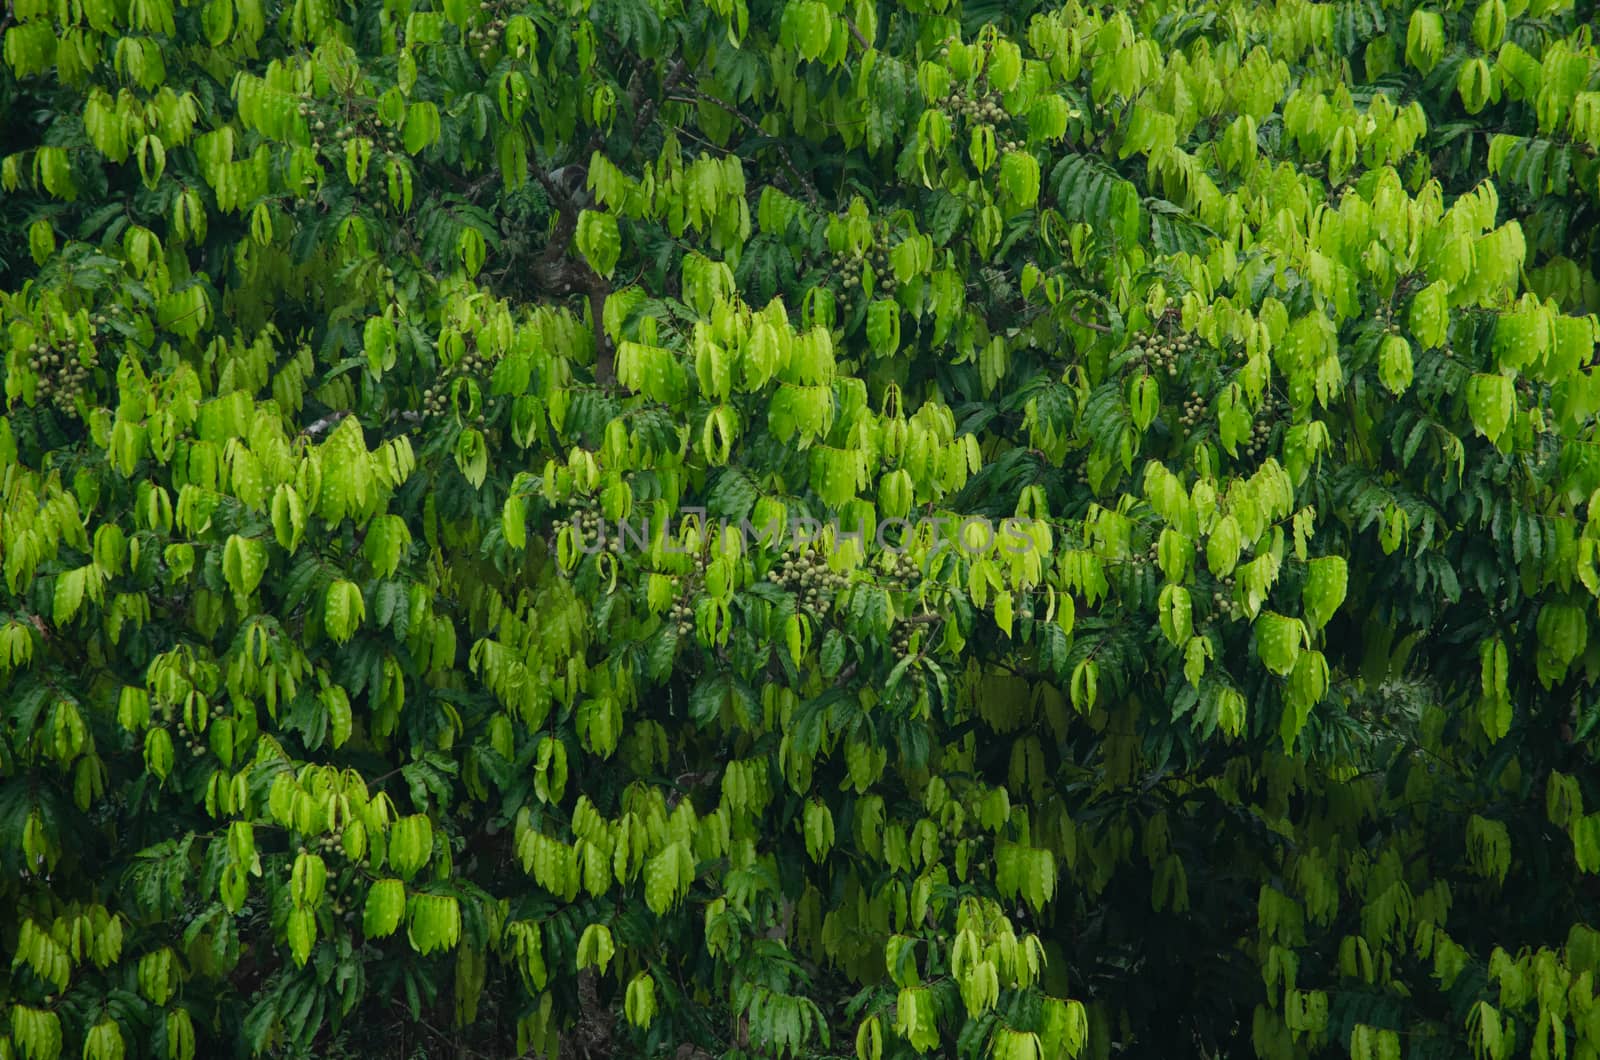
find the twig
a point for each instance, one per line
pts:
(1091, 325)
(598, 289)
(325, 423)
(647, 113)
(473, 190)
(592, 283)
(750, 123)
(855, 31)
(635, 86)
(567, 211)
(592, 1024)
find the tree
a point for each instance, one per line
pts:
(628, 528)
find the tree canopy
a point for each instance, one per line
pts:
(799, 528)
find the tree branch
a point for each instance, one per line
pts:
(594, 1023)
(327, 422)
(855, 31)
(647, 113)
(476, 188)
(1091, 325)
(744, 119)
(586, 279)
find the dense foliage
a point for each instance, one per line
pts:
(1210, 386)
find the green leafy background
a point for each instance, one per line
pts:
(335, 334)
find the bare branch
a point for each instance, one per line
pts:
(749, 123)
(593, 1032)
(477, 187)
(581, 277)
(855, 31)
(1091, 325)
(325, 424)
(590, 282)
(647, 113)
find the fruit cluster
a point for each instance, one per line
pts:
(1159, 354)
(1222, 598)
(55, 362)
(189, 738)
(900, 636)
(982, 109)
(1194, 411)
(326, 847)
(436, 399)
(852, 266)
(327, 123)
(484, 39)
(61, 375)
(322, 845)
(682, 610)
(1260, 433)
(1254, 445)
(807, 576)
(589, 525)
(899, 572)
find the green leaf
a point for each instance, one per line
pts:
(883, 327)
(1394, 364)
(472, 456)
(1176, 622)
(1278, 641)
(343, 610)
(1223, 546)
(1324, 589)
(1019, 179)
(68, 595)
(1490, 400)
(1144, 401)
(244, 562)
(599, 240)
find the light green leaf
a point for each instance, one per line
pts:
(1490, 400)
(599, 240)
(1324, 589)
(343, 610)
(1278, 641)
